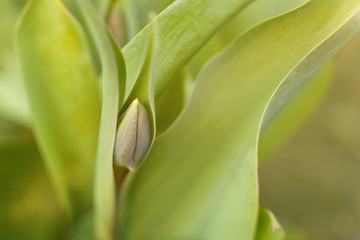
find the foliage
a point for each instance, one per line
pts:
(218, 83)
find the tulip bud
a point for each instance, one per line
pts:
(132, 136)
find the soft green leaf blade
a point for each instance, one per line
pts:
(60, 82)
(200, 180)
(27, 201)
(83, 228)
(290, 118)
(9, 10)
(102, 7)
(268, 227)
(113, 80)
(13, 103)
(121, 70)
(136, 13)
(257, 12)
(170, 103)
(183, 29)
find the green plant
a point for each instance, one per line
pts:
(201, 90)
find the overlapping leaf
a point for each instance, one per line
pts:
(183, 29)
(200, 179)
(290, 118)
(253, 14)
(113, 80)
(257, 12)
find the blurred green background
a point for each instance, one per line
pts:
(311, 184)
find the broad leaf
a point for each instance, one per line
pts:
(61, 85)
(27, 202)
(136, 13)
(257, 12)
(13, 103)
(290, 118)
(171, 102)
(200, 179)
(184, 27)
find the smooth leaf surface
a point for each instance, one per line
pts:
(257, 12)
(136, 13)
(102, 7)
(13, 103)
(113, 86)
(183, 29)
(61, 85)
(83, 228)
(294, 114)
(27, 201)
(200, 179)
(268, 227)
(171, 102)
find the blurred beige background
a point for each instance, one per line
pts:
(313, 183)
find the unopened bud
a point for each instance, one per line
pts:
(132, 136)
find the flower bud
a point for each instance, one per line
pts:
(132, 136)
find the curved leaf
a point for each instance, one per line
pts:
(189, 22)
(171, 102)
(136, 13)
(13, 103)
(113, 80)
(200, 180)
(60, 82)
(256, 13)
(268, 227)
(290, 118)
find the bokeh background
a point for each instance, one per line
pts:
(312, 183)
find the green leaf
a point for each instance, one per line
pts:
(113, 80)
(60, 82)
(268, 227)
(184, 27)
(13, 103)
(102, 7)
(257, 12)
(171, 102)
(200, 179)
(27, 198)
(135, 139)
(293, 115)
(136, 13)
(83, 228)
